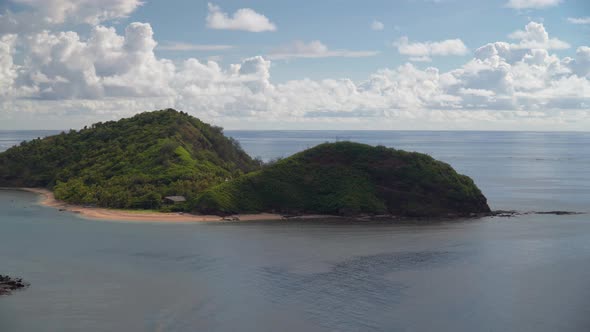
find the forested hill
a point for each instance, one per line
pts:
(131, 163)
(347, 178)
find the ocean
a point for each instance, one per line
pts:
(526, 273)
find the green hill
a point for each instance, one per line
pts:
(346, 179)
(131, 163)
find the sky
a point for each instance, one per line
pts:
(267, 64)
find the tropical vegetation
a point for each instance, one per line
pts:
(348, 178)
(131, 163)
(134, 163)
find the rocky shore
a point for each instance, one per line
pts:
(513, 213)
(8, 284)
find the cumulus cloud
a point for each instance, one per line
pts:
(46, 13)
(314, 49)
(244, 19)
(377, 26)
(534, 35)
(579, 20)
(63, 66)
(107, 74)
(423, 51)
(532, 4)
(86, 11)
(580, 65)
(7, 67)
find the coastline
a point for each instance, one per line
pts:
(48, 199)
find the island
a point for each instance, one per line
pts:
(132, 163)
(350, 179)
(169, 161)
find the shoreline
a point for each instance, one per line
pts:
(48, 199)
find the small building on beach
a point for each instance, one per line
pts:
(174, 199)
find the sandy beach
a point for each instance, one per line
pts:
(48, 199)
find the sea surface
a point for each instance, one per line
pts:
(526, 273)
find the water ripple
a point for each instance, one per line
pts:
(355, 294)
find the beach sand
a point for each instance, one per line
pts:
(48, 199)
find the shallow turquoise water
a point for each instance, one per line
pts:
(530, 273)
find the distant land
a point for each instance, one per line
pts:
(170, 161)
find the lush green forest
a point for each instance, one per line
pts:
(349, 179)
(131, 163)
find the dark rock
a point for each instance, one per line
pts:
(8, 284)
(512, 213)
(559, 213)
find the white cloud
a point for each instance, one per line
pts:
(423, 51)
(377, 26)
(477, 92)
(535, 36)
(244, 19)
(532, 4)
(106, 75)
(38, 15)
(62, 66)
(580, 65)
(314, 49)
(180, 46)
(7, 67)
(579, 20)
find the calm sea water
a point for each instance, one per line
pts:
(529, 273)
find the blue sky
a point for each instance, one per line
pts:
(423, 64)
(347, 25)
